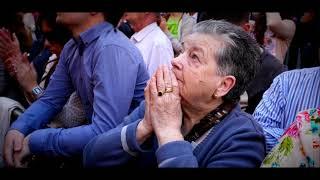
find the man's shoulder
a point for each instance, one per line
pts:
(297, 79)
(116, 40)
(305, 72)
(243, 120)
(66, 49)
(159, 38)
(69, 44)
(238, 122)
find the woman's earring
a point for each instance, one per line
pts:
(214, 96)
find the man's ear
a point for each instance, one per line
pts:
(227, 83)
(246, 27)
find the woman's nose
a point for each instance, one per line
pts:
(176, 62)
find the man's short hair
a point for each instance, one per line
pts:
(113, 16)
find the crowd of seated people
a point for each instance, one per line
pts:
(150, 89)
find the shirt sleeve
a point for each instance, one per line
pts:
(270, 112)
(94, 153)
(282, 28)
(178, 154)
(120, 143)
(49, 104)
(115, 80)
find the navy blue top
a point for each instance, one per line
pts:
(237, 141)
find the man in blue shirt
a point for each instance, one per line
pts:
(108, 74)
(290, 93)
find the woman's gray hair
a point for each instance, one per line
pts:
(238, 56)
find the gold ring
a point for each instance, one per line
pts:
(168, 90)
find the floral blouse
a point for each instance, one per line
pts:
(300, 144)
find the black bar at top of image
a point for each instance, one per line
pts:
(158, 5)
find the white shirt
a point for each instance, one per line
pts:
(154, 46)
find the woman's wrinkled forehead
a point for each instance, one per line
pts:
(203, 41)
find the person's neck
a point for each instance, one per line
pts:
(143, 25)
(77, 30)
(176, 15)
(192, 114)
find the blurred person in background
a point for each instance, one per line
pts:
(188, 20)
(278, 36)
(153, 44)
(96, 47)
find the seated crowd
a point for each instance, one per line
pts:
(150, 89)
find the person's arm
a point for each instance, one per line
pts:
(26, 76)
(116, 147)
(105, 150)
(49, 104)
(269, 112)
(282, 28)
(176, 154)
(115, 79)
(121, 143)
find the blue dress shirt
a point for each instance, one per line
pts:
(108, 73)
(290, 92)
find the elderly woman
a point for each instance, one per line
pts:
(191, 116)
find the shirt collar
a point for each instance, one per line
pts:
(93, 33)
(138, 36)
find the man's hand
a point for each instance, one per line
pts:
(8, 46)
(19, 157)
(13, 143)
(25, 74)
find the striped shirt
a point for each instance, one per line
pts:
(290, 92)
